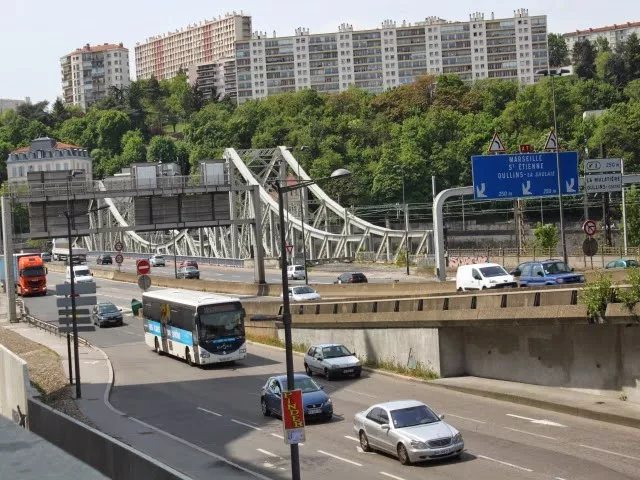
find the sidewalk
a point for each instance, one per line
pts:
(606, 408)
(96, 376)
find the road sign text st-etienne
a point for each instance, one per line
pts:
(522, 175)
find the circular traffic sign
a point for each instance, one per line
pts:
(119, 258)
(118, 246)
(143, 266)
(590, 227)
(590, 246)
(144, 282)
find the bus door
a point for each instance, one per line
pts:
(165, 318)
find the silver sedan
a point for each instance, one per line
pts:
(408, 429)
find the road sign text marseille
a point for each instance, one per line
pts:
(523, 175)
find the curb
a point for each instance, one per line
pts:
(546, 405)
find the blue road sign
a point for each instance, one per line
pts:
(523, 175)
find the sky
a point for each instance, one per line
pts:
(34, 34)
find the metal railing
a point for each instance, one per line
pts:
(50, 327)
(217, 262)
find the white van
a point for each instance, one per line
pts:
(295, 272)
(482, 276)
(81, 274)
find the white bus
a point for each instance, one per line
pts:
(198, 327)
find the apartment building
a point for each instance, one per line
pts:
(375, 60)
(615, 34)
(217, 78)
(7, 104)
(89, 72)
(164, 55)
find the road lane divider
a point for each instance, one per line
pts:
(530, 433)
(391, 476)
(340, 458)
(209, 411)
(351, 438)
(269, 454)
(610, 452)
(518, 467)
(465, 418)
(246, 424)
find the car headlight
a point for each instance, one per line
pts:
(333, 366)
(560, 280)
(329, 402)
(581, 278)
(492, 281)
(457, 438)
(416, 444)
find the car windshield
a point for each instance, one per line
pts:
(632, 263)
(84, 272)
(335, 351)
(221, 324)
(306, 385)
(495, 271)
(302, 290)
(108, 308)
(553, 268)
(159, 257)
(412, 416)
(190, 269)
(33, 272)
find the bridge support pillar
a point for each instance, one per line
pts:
(7, 240)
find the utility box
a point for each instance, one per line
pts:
(145, 175)
(214, 172)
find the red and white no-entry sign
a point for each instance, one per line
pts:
(589, 227)
(143, 267)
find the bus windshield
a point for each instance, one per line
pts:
(221, 324)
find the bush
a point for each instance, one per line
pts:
(546, 236)
(631, 297)
(596, 296)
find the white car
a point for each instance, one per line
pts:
(407, 429)
(331, 360)
(295, 272)
(302, 293)
(482, 276)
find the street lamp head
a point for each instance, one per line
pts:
(341, 172)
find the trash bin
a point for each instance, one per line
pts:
(135, 307)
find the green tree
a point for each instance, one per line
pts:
(161, 149)
(633, 216)
(602, 45)
(111, 127)
(134, 149)
(546, 236)
(584, 59)
(558, 50)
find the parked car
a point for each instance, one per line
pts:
(295, 272)
(623, 263)
(407, 429)
(302, 293)
(157, 261)
(315, 401)
(106, 313)
(482, 276)
(104, 259)
(45, 256)
(547, 272)
(188, 272)
(189, 263)
(331, 360)
(352, 277)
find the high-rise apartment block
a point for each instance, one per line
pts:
(615, 34)
(89, 72)
(215, 79)
(391, 55)
(164, 55)
(11, 104)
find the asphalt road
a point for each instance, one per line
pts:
(218, 409)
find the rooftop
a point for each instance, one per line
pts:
(59, 145)
(98, 48)
(607, 28)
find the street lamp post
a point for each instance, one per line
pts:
(557, 73)
(406, 219)
(286, 309)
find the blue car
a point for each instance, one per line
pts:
(547, 272)
(316, 403)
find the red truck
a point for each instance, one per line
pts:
(31, 278)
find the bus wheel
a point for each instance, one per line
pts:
(188, 355)
(157, 347)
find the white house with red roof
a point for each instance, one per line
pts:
(47, 155)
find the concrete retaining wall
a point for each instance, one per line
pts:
(14, 384)
(112, 458)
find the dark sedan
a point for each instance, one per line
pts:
(104, 259)
(316, 402)
(106, 314)
(188, 272)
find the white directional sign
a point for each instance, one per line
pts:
(603, 165)
(603, 182)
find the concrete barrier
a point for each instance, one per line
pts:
(14, 385)
(110, 457)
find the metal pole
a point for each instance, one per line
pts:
(73, 308)
(558, 167)
(286, 321)
(304, 244)
(70, 358)
(406, 223)
(9, 259)
(624, 210)
(175, 262)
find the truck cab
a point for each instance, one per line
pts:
(30, 274)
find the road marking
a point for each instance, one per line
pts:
(612, 453)
(464, 418)
(360, 393)
(360, 450)
(539, 422)
(560, 478)
(267, 453)
(391, 476)
(351, 438)
(277, 436)
(246, 424)
(529, 433)
(339, 458)
(209, 411)
(505, 463)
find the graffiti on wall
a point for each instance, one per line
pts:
(467, 260)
